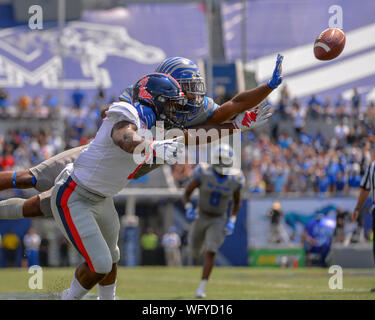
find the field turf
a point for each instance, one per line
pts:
(151, 283)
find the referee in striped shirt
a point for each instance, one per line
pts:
(367, 185)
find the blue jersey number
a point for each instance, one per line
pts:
(215, 198)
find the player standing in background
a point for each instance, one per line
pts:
(210, 226)
(203, 113)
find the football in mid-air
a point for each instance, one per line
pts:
(329, 44)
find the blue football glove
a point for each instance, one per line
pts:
(190, 212)
(229, 228)
(276, 79)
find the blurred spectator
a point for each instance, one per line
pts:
(7, 161)
(64, 252)
(78, 96)
(314, 107)
(39, 110)
(43, 251)
(149, 243)
(24, 102)
(275, 215)
(3, 102)
(341, 216)
(181, 173)
(11, 243)
(356, 102)
(299, 118)
(221, 95)
(100, 96)
(341, 130)
(31, 242)
(171, 243)
(354, 179)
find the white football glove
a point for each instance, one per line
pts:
(168, 149)
(254, 118)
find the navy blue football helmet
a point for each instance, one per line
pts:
(187, 74)
(163, 94)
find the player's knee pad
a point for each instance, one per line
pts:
(115, 255)
(102, 264)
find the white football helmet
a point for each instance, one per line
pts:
(222, 160)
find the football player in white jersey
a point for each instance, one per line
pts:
(81, 199)
(218, 184)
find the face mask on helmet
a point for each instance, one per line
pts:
(173, 111)
(195, 90)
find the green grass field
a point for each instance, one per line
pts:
(151, 283)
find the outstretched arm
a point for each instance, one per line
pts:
(243, 101)
(248, 99)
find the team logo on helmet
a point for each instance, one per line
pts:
(143, 93)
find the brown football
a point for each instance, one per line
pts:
(329, 44)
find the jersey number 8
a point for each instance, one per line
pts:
(215, 198)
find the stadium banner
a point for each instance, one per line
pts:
(225, 76)
(296, 212)
(276, 257)
(105, 48)
(20, 228)
(234, 248)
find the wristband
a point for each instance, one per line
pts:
(14, 179)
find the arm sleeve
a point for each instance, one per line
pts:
(365, 181)
(210, 106)
(122, 111)
(126, 95)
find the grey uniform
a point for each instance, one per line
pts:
(215, 193)
(46, 173)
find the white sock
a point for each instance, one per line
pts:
(107, 292)
(75, 292)
(202, 286)
(12, 208)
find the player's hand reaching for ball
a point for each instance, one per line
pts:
(254, 118)
(276, 78)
